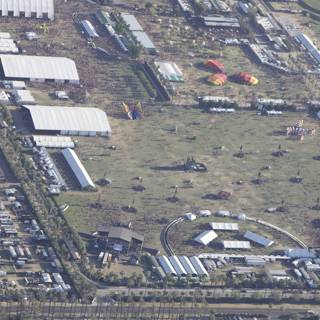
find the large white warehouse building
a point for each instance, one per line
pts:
(39, 68)
(40, 9)
(69, 120)
(77, 168)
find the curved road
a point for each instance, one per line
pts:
(164, 236)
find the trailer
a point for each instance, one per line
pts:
(12, 252)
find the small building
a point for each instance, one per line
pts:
(255, 261)
(178, 267)
(4, 98)
(221, 22)
(223, 213)
(277, 274)
(77, 168)
(204, 213)
(53, 142)
(198, 266)
(186, 263)
(190, 216)
(23, 97)
(167, 266)
(88, 29)
(121, 238)
(222, 226)
(206, 237)
(170, 71)
(18, 85)
(295, 253)
(131, 21)
(8, 46)
(242, 245)
(258, 239)
(144, 40)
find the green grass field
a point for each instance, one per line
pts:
(143, 145)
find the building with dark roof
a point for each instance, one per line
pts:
(121, 239)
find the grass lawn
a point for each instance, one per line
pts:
(142, 146)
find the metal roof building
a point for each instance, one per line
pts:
(166, 265)
(206, 237)
(39, 68)
(236, 244)
(300, 253)
(23, 97)
(40, 9)
(53, 141)
(8, 46)
(198, 266)
(221, 22)
(188, 265)
(69, 121)
(78, 169)
(258, 239)
(224, 226)
(145, 41)
(131, 21)
(89, 29)
(178, 267)
(170, 71)
(309, 45)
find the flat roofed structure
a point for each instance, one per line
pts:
(201, 270)
(23, 97)
(236, 244)
(39, 68)
(166, 265)
(258, 239)
(69, 121)
(206, 237)
(131, 21)
(221, 22)
(170, 71)
(77, 168)
(188, 265)
(178, 267)
(224, 226)
(8, 46)
(40, 9)
(53, 141)
(300, 253)
(144, 41)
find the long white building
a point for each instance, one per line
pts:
(77, 168)
(167, 266)
(39, 68)
(69, 120)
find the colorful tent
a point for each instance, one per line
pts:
(218, 79)
(215, 66)
(246, 78)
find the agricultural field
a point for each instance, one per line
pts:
(150, 149)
